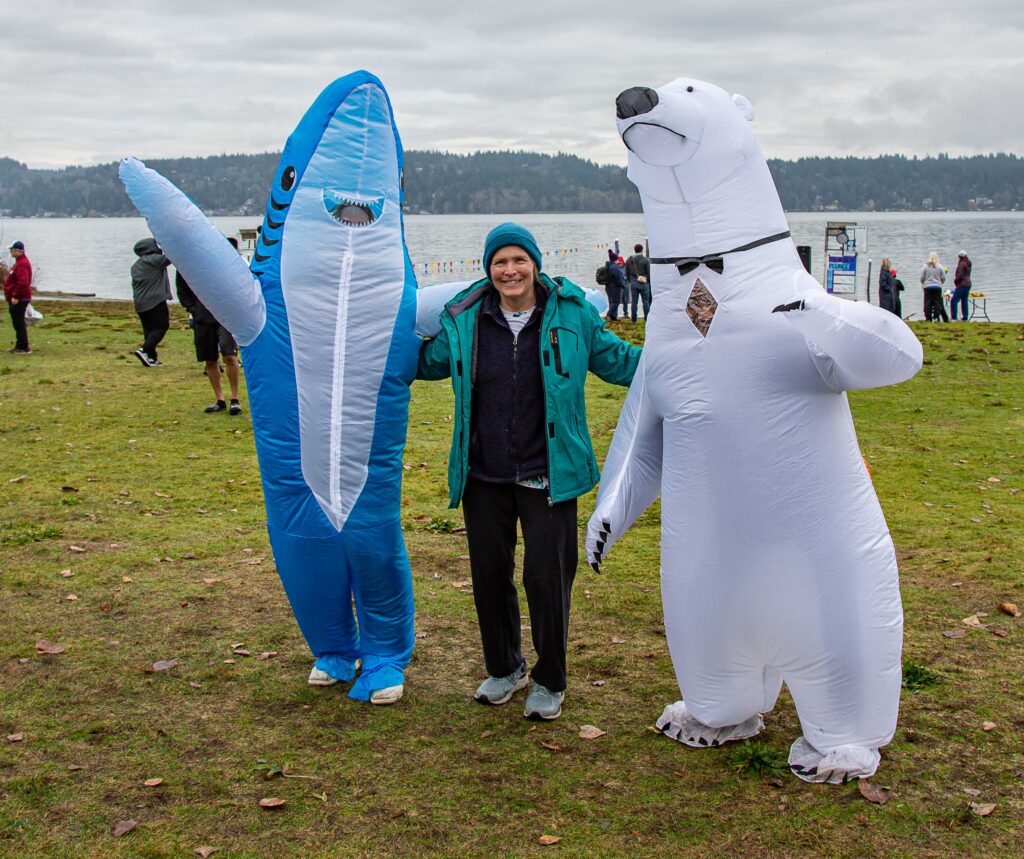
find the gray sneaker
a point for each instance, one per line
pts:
(498, 690)
(542, 703)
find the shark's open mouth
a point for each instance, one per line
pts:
(352, 211)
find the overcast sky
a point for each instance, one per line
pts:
(86, 82)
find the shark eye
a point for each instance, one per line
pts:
(288, 178)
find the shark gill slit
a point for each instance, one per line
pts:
(338, 392)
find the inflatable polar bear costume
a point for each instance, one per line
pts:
(777, 564)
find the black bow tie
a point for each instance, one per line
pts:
(714, 261)
(688, 264)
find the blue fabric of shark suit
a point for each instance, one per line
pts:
(326, 320)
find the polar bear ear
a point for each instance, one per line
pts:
(744, 106)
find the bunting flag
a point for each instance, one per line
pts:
(454, 265)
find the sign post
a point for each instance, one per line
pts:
(841, 258)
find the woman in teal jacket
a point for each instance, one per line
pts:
(517, 346)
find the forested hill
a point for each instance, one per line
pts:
(517, 182)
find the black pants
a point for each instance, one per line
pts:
(614, 293)
(934, 307)
(17, 312)
(551, 552)
(155, 323)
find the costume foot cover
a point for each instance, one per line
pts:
(677, 724)
(377, 673)
(836, 767)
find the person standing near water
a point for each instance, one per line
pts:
(962, 286)
(18, 293)
(932, 278)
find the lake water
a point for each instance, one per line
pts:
(94, 255)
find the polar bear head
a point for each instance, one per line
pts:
(696, 161)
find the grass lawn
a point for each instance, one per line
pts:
(132, 533)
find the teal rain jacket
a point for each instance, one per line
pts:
(573, 340)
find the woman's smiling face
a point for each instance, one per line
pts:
(513, 274)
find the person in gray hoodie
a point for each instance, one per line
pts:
(151, 290)
(933, 276)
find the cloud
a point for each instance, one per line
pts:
(98, 80)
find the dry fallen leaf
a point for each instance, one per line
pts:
(994, 480)
(161, 495)
(75, 767)
(266, 654)
(983, 809)
(547, 840)
(71, 597)
(971, 791)
(44, 646)
(973, 622)
(153, 782)
(18, 479)
(66, 574)
(272, 802)
(551, 747)
(211, 581)
(589, 732)
(127, 579)
(206, 852)
(75, 549)
(597, 683)
(195, 685)
(873, 793)
(463, 583)
(165, 664)
(241, 651)
(123, 827)
(988, 726)
(955, 633)
(16, 738)
(618, 640)
(1009, 608)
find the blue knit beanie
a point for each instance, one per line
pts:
(510, 234)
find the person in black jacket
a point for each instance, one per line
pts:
(210, 338)
(638, 273)
(615, 286)
(887, 296)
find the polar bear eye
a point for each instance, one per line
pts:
(689, 89)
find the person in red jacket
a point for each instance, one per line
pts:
(18, 293)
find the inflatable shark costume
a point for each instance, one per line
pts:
(327, 323)
(777, 564)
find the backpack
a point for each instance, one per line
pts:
(601, 275)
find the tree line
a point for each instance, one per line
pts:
(519, 182)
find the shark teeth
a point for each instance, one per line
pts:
(352, 210)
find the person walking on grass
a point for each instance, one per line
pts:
(210, 339)
(518, 346)
(18, 293)
(151, 290)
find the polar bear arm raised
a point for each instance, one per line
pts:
(632, 472)
(215, 271)
(854, 344)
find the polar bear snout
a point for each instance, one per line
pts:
(635, 101)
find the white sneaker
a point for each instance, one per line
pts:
(387, 695)
(320, 678)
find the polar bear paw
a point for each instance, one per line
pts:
(677, 724)
(836, 767)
